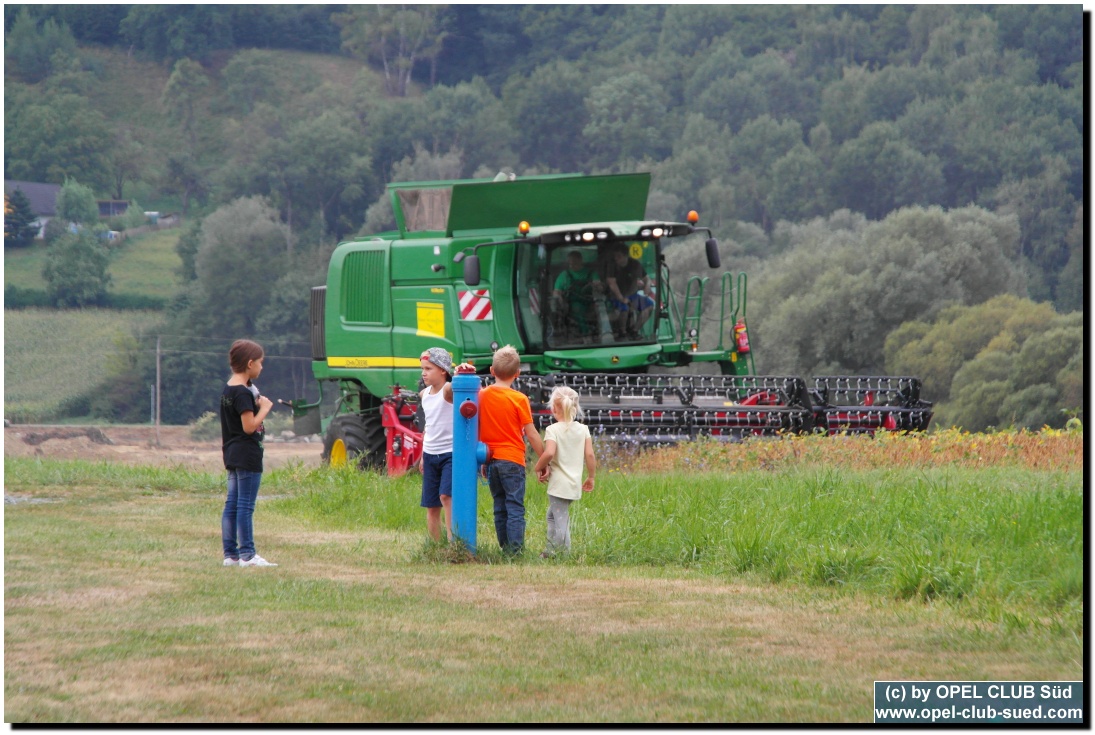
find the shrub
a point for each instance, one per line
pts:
(206, 427)
(76, 271)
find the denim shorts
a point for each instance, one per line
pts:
(436, 478)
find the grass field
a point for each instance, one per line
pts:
(53, 357)
(147, 265)
(144, 265)
(772, 594)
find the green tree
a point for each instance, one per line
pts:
(171, 32)
(396, 36)
(878, 172)
(185, 177)
(251, 77)
(701, 156)
(626, 117)
(723, 61)
(1070, 286)
(688, 29)
(128, 158)
(936, 351)
(76, 270)
(470, 118)
(187, 250)
(842, 285)
(1045, 210)
(980, 389)
(53, 136)
(797, 186)
(1005, 362)
(20, 222)
(123, 395)
(754, 152)
(321, 163)
(242, 253)
(392, 128)
(32, 48)
(548, 108)
(76, 203)
(183, 95)
(1051, 33)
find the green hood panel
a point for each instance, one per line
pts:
(549, 201)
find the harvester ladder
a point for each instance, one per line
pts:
(693, 308)
(735, 298)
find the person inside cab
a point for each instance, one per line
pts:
(573, 297)
(629, 306)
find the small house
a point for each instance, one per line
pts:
(112, 208)
(42, 198)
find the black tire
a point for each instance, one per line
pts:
(356, 438)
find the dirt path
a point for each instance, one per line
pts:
(137, 445)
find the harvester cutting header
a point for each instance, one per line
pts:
(567, 270)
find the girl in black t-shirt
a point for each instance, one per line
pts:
(242, 412)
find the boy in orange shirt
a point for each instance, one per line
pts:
(505, 421)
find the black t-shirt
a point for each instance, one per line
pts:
(627, 276)
(242, 451)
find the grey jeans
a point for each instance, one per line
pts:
(558, 524)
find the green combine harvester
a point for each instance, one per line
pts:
(567, 270)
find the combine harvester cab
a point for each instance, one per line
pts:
(568, 270)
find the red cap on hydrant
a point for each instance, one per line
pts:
(468, 409)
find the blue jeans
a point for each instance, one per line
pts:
(237, 528)
(507, 487)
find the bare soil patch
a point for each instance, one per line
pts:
(138, 445)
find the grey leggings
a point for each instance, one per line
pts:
(558, 524)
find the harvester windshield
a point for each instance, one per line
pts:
(575, 295)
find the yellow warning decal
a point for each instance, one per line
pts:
(636, 250)
(373, 362)
(431, 319)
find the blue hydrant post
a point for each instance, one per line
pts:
(467, 454)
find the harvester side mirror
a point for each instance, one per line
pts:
(471, 270)
(713, 258)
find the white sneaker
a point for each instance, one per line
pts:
(230, 562)
(256, 561)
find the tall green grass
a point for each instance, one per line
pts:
(1010, 542)
(1005, 544)
(937, 534)
(53, 359)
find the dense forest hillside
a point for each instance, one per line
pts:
(924, 158)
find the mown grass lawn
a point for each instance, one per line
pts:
(760, 595)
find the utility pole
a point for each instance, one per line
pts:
(157, 390)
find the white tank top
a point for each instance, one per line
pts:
(438, 436)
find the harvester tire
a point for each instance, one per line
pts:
(357, 439)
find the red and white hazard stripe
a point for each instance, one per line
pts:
(534, 300)
(475, 305)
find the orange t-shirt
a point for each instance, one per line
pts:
(503, 413)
